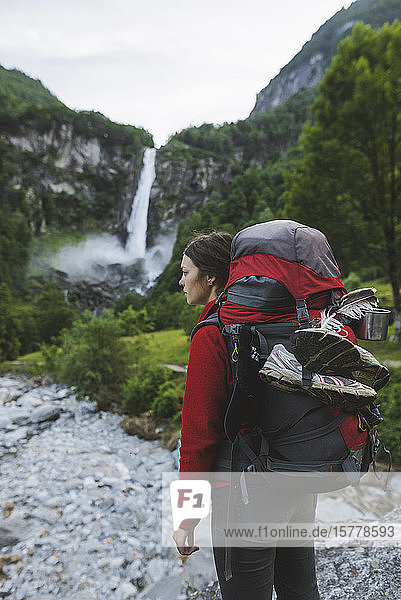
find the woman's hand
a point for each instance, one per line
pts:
(180, 536)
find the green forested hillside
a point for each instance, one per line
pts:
(348, 182)
(25, 108)
(258, 150)
(30, 170)
(258, 139)
(25, 88)
(60, 170)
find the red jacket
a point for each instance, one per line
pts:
(207, 391)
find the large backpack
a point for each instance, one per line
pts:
(276, 265)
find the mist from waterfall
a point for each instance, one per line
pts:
(96, 257)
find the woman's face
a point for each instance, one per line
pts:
(198, 289)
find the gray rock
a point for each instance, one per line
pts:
(169, 588)
(126, 590)
(133, 542)
(156, 569)
(32, 399)
(12, 437)
(106, 503)
(4, 422)
(20, 594)
(21, 419)
(6, 588)
(307, 67)
(134, 571)
(114, 582)
(4, 396)
(8, 382)
(63, 393)
(118, 562)
(49, 516)
(54, 501)
(89, 482)
(69, 509)
(108, 481)
(45, 412)
(8, 537)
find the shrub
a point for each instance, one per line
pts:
(165, 310)
(168, 400)
(133, 299)
(143, 385)
(26, 327)
(94, 358)
(133, 322)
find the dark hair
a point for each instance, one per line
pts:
(210, 252)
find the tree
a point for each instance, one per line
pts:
(9, 344)
(349, 180)
(52, 312)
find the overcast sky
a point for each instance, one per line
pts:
(159, 64)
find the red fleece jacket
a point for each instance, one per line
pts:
(207, 392)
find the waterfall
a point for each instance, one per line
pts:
(103, 259)
(137, 225)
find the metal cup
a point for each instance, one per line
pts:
(374, 325)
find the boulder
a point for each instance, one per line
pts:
(46, 412)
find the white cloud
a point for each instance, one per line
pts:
(162, 64)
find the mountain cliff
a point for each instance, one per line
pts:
(200, 164)
(306, 69)
(61, 168)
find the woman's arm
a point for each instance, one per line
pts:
(207, 391)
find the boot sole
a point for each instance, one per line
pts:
(348, 399)
(328, 353)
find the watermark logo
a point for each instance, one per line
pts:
(190, 499)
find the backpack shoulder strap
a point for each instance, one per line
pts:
(212, 319)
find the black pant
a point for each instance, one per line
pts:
(257, 566)
(255, 570)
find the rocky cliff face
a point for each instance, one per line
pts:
(71, 180)
(299, 73)
(183, 184)
(289, 82)
(307, 67)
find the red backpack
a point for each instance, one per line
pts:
(282, 275)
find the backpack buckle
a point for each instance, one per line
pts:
(302, 313)
(231, 329)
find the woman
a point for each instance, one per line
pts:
(205, 268)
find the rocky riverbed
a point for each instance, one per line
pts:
(80, 512)
(80, 504)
